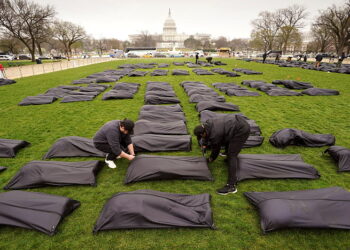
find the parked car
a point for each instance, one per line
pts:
(132, 55)
(23, 57)
(6, 58)
(59, 57)
(44, 58)
(148, 55)
(159, 55)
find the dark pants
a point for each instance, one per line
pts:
(104, 147)
(233, 148)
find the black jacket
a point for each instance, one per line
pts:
(221, 131)
(110, 134)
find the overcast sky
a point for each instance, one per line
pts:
(118, 19)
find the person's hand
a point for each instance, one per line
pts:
(131, 157)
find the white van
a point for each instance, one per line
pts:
(6, 58)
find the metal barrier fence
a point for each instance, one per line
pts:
(37, 69)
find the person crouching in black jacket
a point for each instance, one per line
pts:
(230, 132)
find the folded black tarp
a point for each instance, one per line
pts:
(161, 167)
(103, 79)
(31, 210)
(201, 91)
(162, 108)
(195, 98)
(155, 99)
(104, 86)
(290, 136)
(341, 155)
(235, 92)
(318, 91)
(282, 92)
(76, 93)
(58, 92)
(159, 72)
(156, 116)
(211, 105)
(92, 89)
(9, 147)
(253, 141)
(83, 81)
(163, 65)
(4, 81)
(180, 72)
(256, 84)
(274, 166)
(291, 84)
(70, 87)
(73, 146)
(137, 73)
(317, 208)
(161, 93)
(160, 128)
(117, 94)
(207, 114)
(37, 100)
(55, 173)
(178, 63)
(158, 86)
(192, 83)
(202, 72)
(2, 168)
(161, 143)
(247, 71)
(132, 87)
(154, 209)
(77, 98)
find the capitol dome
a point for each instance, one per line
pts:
(169, 24)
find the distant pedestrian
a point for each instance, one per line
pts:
(305, 57)
(318, 58)
(277, 59)
(341, 59)
(264, 57)
(197, 57)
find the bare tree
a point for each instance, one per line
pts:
(192, 43)
(221, 42)
(24, 20)
(68, 33)
(11, 44)
(337, 20)
(322, 37)
(101, 46)
(292, 20)
(239, 44)
(266, 27)
(145, 40)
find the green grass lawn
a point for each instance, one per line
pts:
(237, 221)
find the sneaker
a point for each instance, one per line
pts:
(110, 164)
(223, 154)
(227, 189)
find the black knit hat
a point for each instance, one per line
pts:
(128, 125)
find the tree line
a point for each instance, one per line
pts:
(281, 30)
(28, 25)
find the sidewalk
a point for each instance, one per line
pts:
(37, 69)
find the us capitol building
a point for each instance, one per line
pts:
(170, 38)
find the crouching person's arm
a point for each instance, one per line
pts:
(126, 156)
